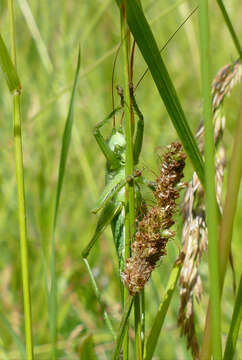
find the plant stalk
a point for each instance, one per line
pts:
(21, 199)
(226, 227)
(210, 191)
(129, 169)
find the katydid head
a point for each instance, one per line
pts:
(117, 144)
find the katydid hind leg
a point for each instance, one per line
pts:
(105, 218)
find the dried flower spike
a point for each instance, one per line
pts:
(153, 230)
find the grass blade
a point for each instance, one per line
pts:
(145, 40)
(99, 298)
(162, 311)
(234, 326)
(62, 165)
(210, 193)
(226, 227)
(43, 52)
(230, 27)
(8, 68)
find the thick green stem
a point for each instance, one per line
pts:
(129, 169)
(21, 200)
(226, 227)
(210, 192)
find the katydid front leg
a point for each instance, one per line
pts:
(110, 156)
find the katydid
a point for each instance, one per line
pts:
(112, 199)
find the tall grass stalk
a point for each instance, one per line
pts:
(226, 227)
(210, 192)
(21, 199)
(129, 165)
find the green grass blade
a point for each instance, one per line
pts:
(8, 68)
(62, 165)
(145, 40)
(210, 193)
(99, 298)
(162, 311)
(227, 223)
(122, 327)
(235, 325)
(14, 335)
(43, 52)
(230, 27)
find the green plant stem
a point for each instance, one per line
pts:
(21, 199)
(226, 227)
(129, 164)
(137, 320)
(210, 192)
(230, 27)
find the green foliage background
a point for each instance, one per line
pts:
(94, 25)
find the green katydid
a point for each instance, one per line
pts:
(111, 201)
(112, 198)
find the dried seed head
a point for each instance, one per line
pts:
(153, 228)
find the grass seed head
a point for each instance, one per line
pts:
(153, 228)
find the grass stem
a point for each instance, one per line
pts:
(210, 192)
(129, 164)
(21, 199)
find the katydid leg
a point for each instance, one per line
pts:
(140, 127)
(107, 214)
(108, 153)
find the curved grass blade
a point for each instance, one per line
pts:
(235, 325)
(8, 68)
(162, 311)
(145, 40)
(99, 298)
(62, 166)
(33, 28)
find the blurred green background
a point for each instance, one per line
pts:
(47, 54)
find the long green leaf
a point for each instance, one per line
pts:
(8, 68)
(162, 311)
(235, 325)
(62, 166)
(146, 42)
